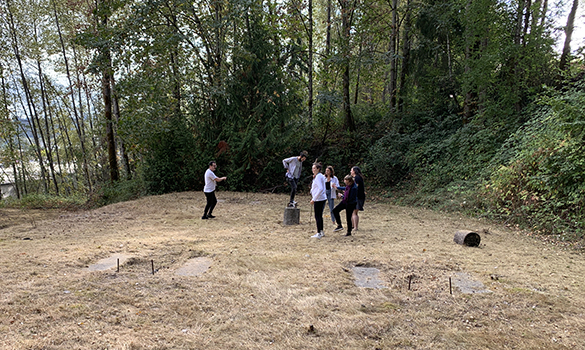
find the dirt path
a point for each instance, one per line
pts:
(271, 286)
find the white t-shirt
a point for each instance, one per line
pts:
(318, 188)
(209, 181)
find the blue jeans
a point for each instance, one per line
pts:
(293, 188)
(331, 202)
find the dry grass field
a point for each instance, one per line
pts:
(272, 287)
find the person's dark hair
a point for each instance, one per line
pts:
(211, 163)
(318, 166)
(304, 154)
(349, 178)
(357, 171)
(331, 170)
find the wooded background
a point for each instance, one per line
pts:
(456, 104)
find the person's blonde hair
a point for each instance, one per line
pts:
(349, 178)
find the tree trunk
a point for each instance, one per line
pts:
(346, 12)
(406, 58)
(107, 96)
(121, 144)
(9, 136)
(565, 56)
(328, 36)
(77, 123)
(310, 63)
(28, 94)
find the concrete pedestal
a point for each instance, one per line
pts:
(292, 216)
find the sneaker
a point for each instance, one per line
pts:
(348, 234)
(339, 228)
(318, 235)
(211, 216)
(204, 217)
(291, 205)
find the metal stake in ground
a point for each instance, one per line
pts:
(118, 264)
(152, 264)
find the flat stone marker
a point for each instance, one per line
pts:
(108, 263)
(195, 267)
(468, 285)
(367, 277)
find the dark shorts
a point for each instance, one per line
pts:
(360, 204)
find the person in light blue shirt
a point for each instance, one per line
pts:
(294, 166)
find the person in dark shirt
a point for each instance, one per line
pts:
(348, 203)
(361, 195)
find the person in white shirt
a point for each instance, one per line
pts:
(210, 181)
(319, 198)
(294, 166)
(331, 182)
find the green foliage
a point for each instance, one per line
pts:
(541, 185)
(120, 191)
(45, 201)
(172, 163)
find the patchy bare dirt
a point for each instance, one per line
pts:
(271, 286)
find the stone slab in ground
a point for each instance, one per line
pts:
(468, 285)
(367, 277)
(108, 263)
(195, 267)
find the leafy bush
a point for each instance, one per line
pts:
(45, 201)
(541, 185)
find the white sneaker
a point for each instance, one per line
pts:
(318, 235)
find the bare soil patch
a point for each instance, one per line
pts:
(271, 286)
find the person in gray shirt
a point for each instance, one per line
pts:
(294, 166)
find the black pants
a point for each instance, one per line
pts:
(211, 202)
(349, 208)
(293, 188)
(319, 206)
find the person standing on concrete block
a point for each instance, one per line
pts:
(294, 166)
(319, 198)
(210, 181)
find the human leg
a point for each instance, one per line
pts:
(211, 202)
(331, 202)
(319, 206)
(349, 211)
(293, 188)
(336, 213)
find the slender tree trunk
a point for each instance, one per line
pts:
(46, 139)
(28, 95)
(121, 144)
(107, 97)
(328, 35)
(357, 78)
(393, 61)
(346, 13)
(78, 124)
(467, 110)
(9, 139)
(406, 57)
(310, 63)
(565, 56)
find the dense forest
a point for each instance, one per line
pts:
(461, 105)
